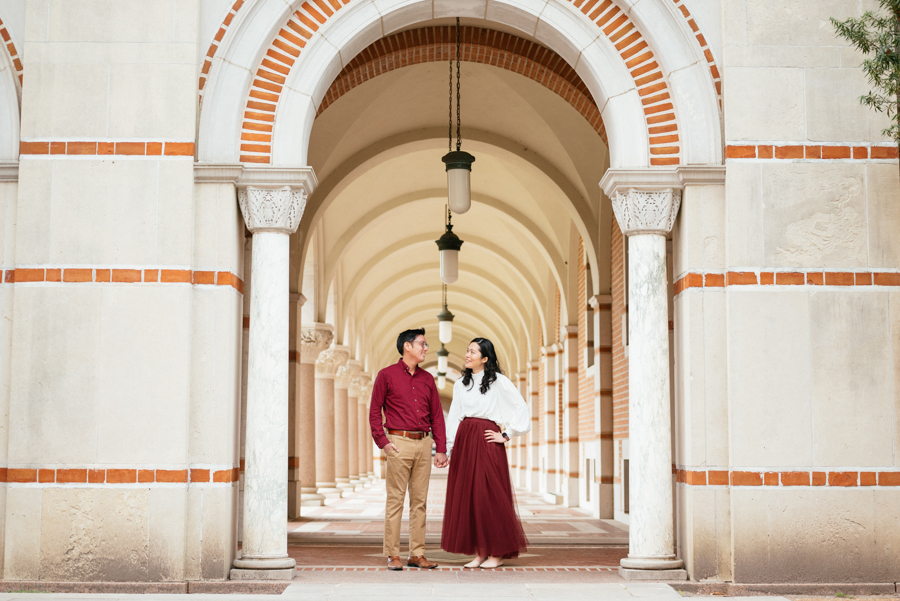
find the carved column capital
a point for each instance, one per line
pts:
(646, 212)
(346, 373)
(272, 199)
(330, 360)
(272, 209)
(360, 385)
(314, 339)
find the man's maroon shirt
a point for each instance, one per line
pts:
(410, 402)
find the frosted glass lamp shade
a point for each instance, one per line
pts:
(442, 380)
(459, 187)
(443, 355)
(445, 331)
(459, 190)
(449, 266)
(449, 245)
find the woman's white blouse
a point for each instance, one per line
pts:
(502, 404)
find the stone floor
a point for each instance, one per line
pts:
(507, 591)
(358, 519)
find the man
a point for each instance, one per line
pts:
(412, 417)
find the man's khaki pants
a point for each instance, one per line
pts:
(408, 469)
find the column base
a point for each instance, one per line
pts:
(263, 568)
(553, 498)
(244, 574)
(652, 568)
(667, 575)
(658, 562)
(356, 483)
(310, 498)
(329, 490)
(345, 486)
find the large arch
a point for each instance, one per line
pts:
(602, 42)
(10, 91)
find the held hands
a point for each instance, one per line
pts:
(491, 436)
(440, 460)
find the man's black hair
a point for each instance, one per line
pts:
(408, 336)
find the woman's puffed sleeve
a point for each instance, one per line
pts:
(515, 412)
(454, 416)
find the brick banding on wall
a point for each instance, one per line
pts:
(76, 275)
(177, 149)
(862, 151)
(289, 42)
(785, 278)
(789, 478)
(13, 53)
(116, 475)
(477, 45)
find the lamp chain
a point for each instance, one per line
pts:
(458, 119)
(450, 111)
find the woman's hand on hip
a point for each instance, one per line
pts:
(491, 436)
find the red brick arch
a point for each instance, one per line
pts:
(638, 56)
(13, 53)
(477, 45)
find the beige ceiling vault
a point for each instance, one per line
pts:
(370, 226)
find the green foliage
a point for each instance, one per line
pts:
(878, 37)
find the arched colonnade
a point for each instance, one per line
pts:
(278, 73)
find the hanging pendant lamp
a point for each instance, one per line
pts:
(445, 322)
(458, 162)
(443, 360)
(441, 380)
(449, 245)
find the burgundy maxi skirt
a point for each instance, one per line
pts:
(480, 512)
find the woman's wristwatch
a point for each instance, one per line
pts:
(505, 435)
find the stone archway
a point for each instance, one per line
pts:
(267, 94)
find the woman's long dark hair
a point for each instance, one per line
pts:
(491, 367)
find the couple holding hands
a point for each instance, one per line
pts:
(479, 514)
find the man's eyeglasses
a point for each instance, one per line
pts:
(422, 343)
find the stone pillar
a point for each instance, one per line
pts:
(370, 443)
(571, 464)
(364, 436)
(353, 416)
(603, 408)
(533, 437)
(326, 369)
(550, 480)
(646, 216)
(314, 338)
(342, 432)
(272, 212)
(294, 482)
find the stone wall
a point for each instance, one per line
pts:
(786, 316)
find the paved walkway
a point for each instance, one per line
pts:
(399, 592)
(346, 534)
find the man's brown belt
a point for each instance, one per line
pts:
(404, 433)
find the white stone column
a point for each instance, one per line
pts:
(272, 212)
(342, 379)
(314, 338)
(364, 437)
(370, 444)
(646, 216)
(353, 439)
(326, 369)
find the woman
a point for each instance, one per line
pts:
(480, 513)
